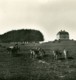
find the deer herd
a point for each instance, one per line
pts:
(39, 53)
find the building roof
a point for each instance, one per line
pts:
(62, 32)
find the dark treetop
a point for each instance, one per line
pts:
(27, 35)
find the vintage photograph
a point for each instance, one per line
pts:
(37, 39)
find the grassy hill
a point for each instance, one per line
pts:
(25, 68)
(69, 45)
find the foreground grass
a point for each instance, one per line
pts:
(25, 68)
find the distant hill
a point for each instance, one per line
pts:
(69, 45)
(27, 35)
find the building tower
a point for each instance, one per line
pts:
(62, 35)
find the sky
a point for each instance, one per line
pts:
(48, 16)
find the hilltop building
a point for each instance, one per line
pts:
(62, 35)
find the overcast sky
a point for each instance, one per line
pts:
(48, 16)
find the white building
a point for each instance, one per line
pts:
(62, 35)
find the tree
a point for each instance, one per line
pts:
(27, 35)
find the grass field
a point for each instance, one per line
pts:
(25, 68)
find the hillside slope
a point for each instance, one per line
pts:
(69, 45)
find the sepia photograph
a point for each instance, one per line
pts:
(37, 39)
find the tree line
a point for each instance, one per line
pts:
(23, 35)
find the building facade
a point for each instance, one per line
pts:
(62, 35)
